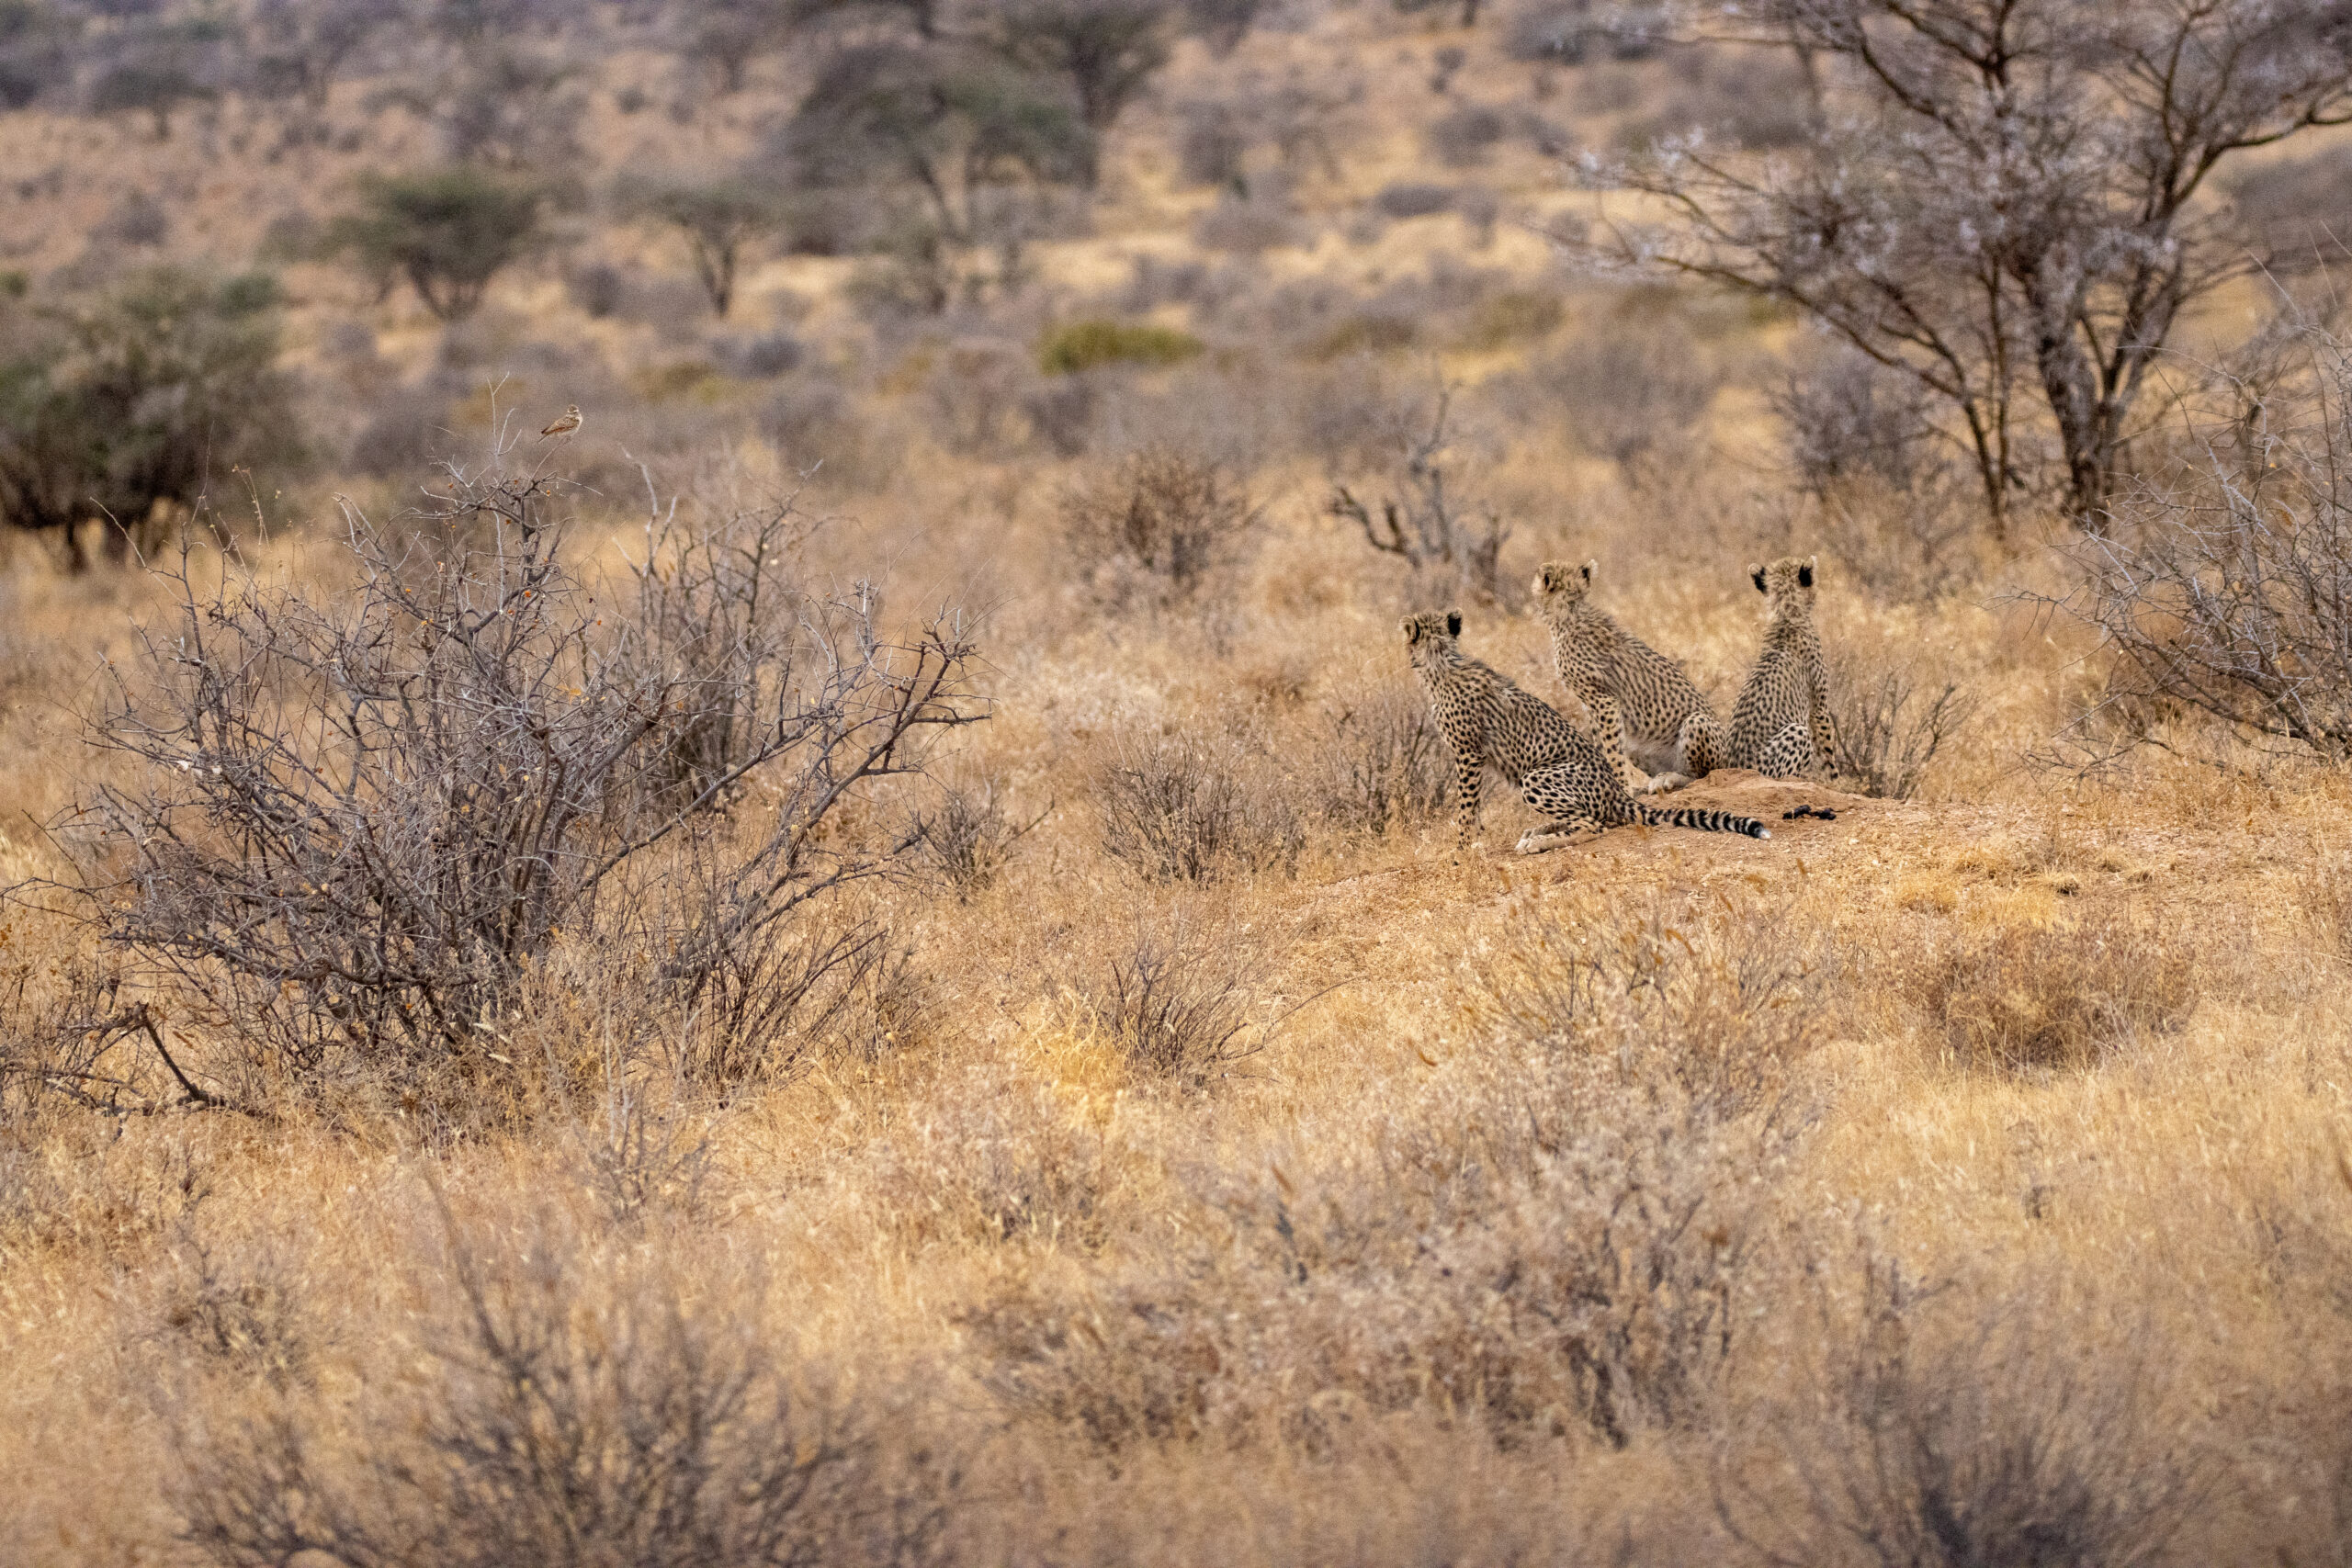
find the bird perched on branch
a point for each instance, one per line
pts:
(566, 422)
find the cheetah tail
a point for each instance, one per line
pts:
(1705, 821)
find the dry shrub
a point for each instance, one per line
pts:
(2028, 999)
(1732, 997)
(644, 1150)
(1849, 417)
(231, 1303)
(1247, 227)
(346, 820)
(569, 1405)
(1918, 546)
(1558, 1233)
(1466, 135)
(2222, 585)
(1380, 763)
(1188, 807)
(1891, 723)
(2007, 1439)
(1156, 530)
(1181, 998)
(66, 1030)
(969, 838)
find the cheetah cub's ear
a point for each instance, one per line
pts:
(1589, 568)
(1756, 573)
(1412, 630)
(1805, 572)
(1454, 623)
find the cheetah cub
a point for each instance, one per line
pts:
(1657, 730)
(1491, 722)
(1780, 724)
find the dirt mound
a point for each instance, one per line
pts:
(1750, 793)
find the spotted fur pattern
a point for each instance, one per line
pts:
(1658, 731)
(1491, 722)
(1780, 724)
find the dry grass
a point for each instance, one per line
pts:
(2032, 997)
(1197, 1163)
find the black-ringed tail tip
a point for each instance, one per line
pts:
(1705, 821)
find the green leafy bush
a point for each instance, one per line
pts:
(447, 232)
(1083, 345)
(131, 407)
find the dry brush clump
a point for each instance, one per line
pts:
(970, 836)
(1560, 1235)
(2222, 585)
(1893, 720)
(1938, 1431)
(572, 1403)
(1181, 997)
(1379, 762)
(1159, 529)
(343, 821)
(1192, 806)
(2026, 997)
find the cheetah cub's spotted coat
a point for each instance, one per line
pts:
(1780, 724)
(1647, 716)
(1491, 722)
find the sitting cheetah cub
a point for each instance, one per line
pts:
(1491, 722)
(1780, 724)
(1657, 730)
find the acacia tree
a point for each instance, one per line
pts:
(952, 124)
(447, 232)
(1107, 49)
(304, 44)
(2007, 199)
(127, 409)
(717, 217)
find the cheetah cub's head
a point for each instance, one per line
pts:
(1786, 584)
(1560, 588)
(1433, 638)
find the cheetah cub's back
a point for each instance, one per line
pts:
(1781, 726)
(1648, 718)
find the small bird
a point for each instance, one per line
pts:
(566, 422)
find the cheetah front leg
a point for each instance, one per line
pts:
(1467, 770)
(1559, 834)
(1609, 728)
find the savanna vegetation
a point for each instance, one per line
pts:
(862, 959)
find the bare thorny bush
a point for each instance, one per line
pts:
(346, 820)
(2224, 587)
(1191, 807)
(1891, 723)
(1158, 530)
(970, 836)
(1379, 762)
(1927, 1435)
(580, 1403)
(2034, 1000)
(1183, 998)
